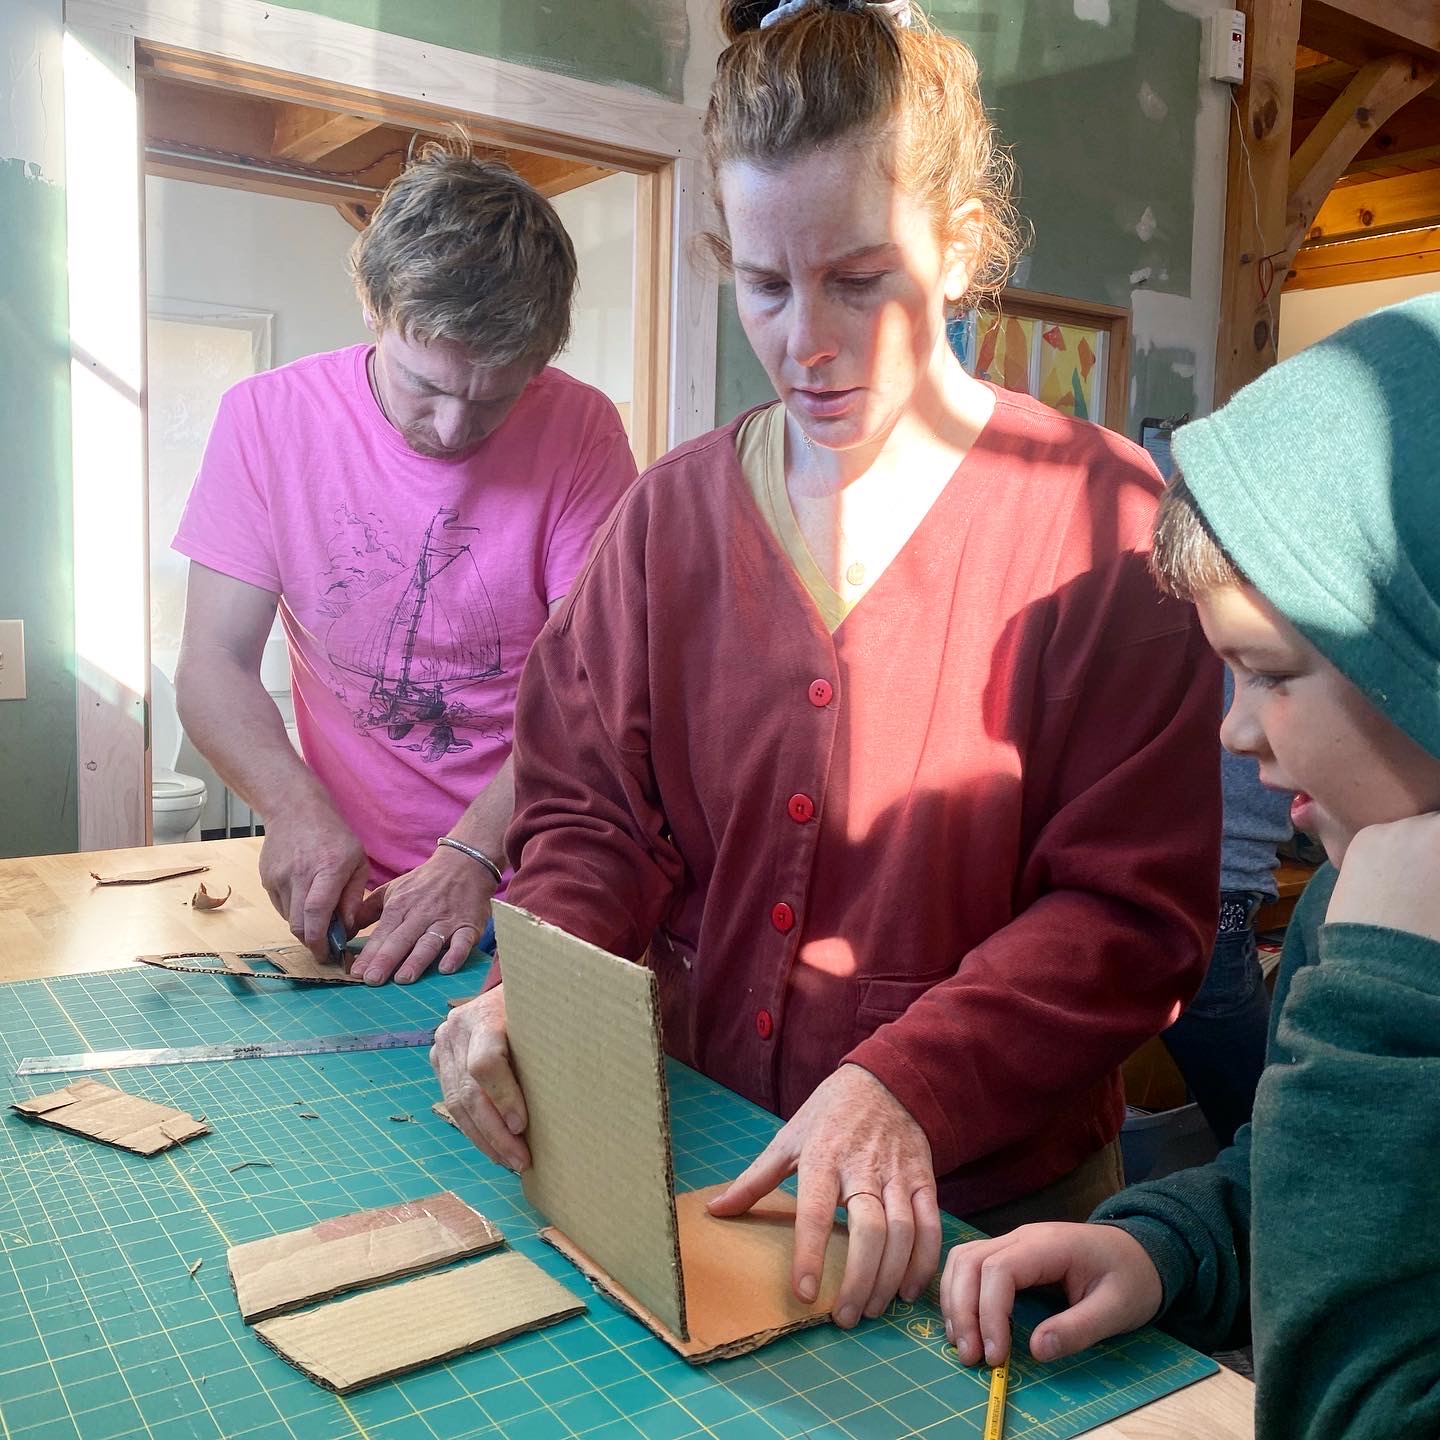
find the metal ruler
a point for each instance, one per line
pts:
(198, 1054)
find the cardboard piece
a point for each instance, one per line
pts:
(146, 877)
(738, 1295)
(352, 1343)
(584, 1031)
(99, 1112)
(443, 1111)
(349, 1252)
(292, 962)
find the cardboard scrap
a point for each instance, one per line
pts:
(146, 877)
(584, 1031)
(738, 1295)
(291, 962)
(349, 1252)
(352, 1343)
(100, 1112)
(443, 1111)
(202, 899)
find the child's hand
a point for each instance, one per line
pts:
(1109, 1280)
(1391, 877)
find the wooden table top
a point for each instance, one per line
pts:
(55, 920)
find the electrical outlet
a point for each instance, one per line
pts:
(12, 659)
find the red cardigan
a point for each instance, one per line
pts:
(970, 842)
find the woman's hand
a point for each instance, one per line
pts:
(437, 911)
(471, 1055)
(1109, 1279)
(1391, 878)
(853, 1144)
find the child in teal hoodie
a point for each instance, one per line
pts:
(1306, 528)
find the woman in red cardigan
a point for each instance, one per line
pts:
(864, 725)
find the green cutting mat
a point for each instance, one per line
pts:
(104, 1333)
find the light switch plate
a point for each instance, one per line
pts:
(12, 659)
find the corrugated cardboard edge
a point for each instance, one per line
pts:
(514, 929)
(688, 1349)
(292, 962)
(147, 877)
(170, 1126)
(274, 1332)
(486, 1237)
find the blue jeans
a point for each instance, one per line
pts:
(1219, 1042)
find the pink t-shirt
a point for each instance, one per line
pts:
(411, 589)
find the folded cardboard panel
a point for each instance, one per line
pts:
(738, 1295)
(103, 1113)
(584, 1032)
(348, 1344)
(349, 1252)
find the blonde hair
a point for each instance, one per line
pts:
(462, 249)
(844, 70)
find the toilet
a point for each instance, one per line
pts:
(177, 801)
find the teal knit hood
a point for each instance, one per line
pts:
(1321, 479)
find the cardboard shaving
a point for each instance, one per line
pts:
(308, 1115)
(100, 1112)
(244, 1163)
(195, 1265)
(290, 962)
(202, 899)
(352, 1343)
(443, 1111)
(146, 877)
(351, 1252)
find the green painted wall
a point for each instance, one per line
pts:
(37, 735)
(625, 42)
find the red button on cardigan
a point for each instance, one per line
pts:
(782, 917)
(821, 693)
(764, 1025)
(801, 808)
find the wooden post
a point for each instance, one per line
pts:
(1256, 193)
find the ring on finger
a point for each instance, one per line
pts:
(439, 935)
(856, 1194)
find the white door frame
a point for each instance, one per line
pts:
(659, 139)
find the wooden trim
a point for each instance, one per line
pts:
(1114, 320)
(1256, 194)
(694, 304)
(358, 71)
(106, 252)
(650, 307)
(1378, 90)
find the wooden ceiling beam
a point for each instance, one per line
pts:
(1410, 137)
(308, 136)
(1381, 207)
(1359, 31)
(1378, 90)
(552, 176)
(260, 182)
(1381, 257)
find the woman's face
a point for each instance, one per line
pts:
(841, 283)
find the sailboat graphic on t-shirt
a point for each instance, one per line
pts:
(421, 635)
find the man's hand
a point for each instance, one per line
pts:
(853, 1144)
(311, 865)
(1109, 1280)
(471, 1056)
(1388, 878)
(436, 911)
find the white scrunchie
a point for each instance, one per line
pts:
(898, 10)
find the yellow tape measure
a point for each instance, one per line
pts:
(995, 1411)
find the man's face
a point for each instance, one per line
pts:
(1309, 728)
(440, 397)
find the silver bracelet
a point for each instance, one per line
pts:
(474, 854)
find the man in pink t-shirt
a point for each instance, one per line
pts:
(416, 510)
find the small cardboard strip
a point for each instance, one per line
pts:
(146, 877)
(283, 1272)
(738, 1295)
(355, 1342)
(202, 899)
(584, 1031)
(291, 962)
(99, 1112)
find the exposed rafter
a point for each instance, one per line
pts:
(310, 135)
(1358, 31)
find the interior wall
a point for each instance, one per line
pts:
(600, 218)
(1310, 315)
(37, 735)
